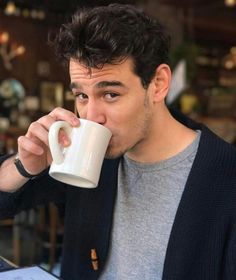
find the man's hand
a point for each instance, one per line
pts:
(33, 147)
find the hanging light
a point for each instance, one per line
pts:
(10, 8)
(229, 61)
(230, 3)
(8, 51)
(4, 38)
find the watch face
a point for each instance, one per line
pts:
(16, 157)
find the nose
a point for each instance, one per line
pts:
(94, 112)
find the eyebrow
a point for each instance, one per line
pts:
(101, 84)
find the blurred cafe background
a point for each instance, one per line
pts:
(33, 82)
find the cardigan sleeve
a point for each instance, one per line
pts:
(39, 191)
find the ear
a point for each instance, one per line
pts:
(161, 82)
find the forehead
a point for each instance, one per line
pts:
(80, 71)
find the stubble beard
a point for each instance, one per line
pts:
(144, 128)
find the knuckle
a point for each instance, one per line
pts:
(20, 139)
(42, 119)
(56, 110)
(33, 126)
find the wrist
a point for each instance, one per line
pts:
(21, 169)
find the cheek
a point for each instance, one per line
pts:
(124, 120)
(124, 128)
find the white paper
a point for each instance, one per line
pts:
(28, 273)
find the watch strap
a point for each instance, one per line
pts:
(21, 169)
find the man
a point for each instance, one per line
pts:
(165, 207)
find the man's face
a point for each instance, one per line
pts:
(114, 97)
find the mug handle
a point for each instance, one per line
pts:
(55, 147)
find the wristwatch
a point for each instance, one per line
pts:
(21, 169)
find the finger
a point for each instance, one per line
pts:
(36, 130)
(49, 158)
(46, 121)
(63, 114)
(64, 139)
(29, 145)
(39, 129)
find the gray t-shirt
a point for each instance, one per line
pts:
(147, 200)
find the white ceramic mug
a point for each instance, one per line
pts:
(80, 163)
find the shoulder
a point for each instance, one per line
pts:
(215, 164)
(222, 152)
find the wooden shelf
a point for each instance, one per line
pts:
(223, 127)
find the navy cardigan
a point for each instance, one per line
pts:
(202, 244)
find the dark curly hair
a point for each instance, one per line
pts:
(110, 34)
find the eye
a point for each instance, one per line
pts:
(80, 96)
(111, 96)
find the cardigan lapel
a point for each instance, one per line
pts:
(193, 221)
(105, 202)
(91, 212)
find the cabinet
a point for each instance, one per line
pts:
(216, 80)
(214, 86)
(223, 127)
